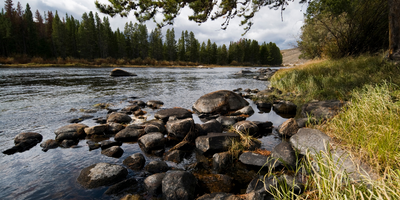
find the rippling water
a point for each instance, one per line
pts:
(40, 100)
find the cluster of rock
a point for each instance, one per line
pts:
(264, 74)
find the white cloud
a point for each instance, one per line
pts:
(267, 27)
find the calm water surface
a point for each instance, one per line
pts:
(41, 100)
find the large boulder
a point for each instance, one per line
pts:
(152, 141)
(135, 161)
(179, 113)
(175, 156)
(101, 174)
(215, 142)
(153, 184)
(119, 72)
(288, 128)
(310, 140)
(180, 128)
(118, 118)
(71, 132)
(154, 126)
(24, 141)
(246, 127)
(179, 185)
(322, 110)
(130, 133)
(222, 101)
(247, 110)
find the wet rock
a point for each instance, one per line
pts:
(139, 112)
(263, 106)
(208, 127)
(131, 184)
(130, 133)
(258, 160)
(310, 140)
(101, 174)
(215, 142)
(285, 107)
(100, 120)
(222, 162)
(154, 126)
(288, 128)
(92, 145)
(179, 185)
(212, 183)
(107, 144)
(285, 154)
(180, 128)
(175, 156)
(24, 141)
(114, 128)
(154, 104)
(248, 110)
(227, 121)
(49, 144)
(241, 72)
(119, 72)
(152, 141)
(153, 184)
(322, 110)
(139, 103)
(179, 113)
(119, 118)
(71, 132)
(222, 101)
(135, 161)
(96, 130)
(69, 143)
(132, 197)
(157, 166)
(246, 127)
(114, 151)
(130, 109)
(264, 127)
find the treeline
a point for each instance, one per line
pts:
(64, 39)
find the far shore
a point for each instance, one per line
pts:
(29, 65)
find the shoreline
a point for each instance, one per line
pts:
(122, 66)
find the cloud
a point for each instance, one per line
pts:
(268, 25)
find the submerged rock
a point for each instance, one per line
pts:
(24, 141)
(119, 72)
(101, 174)
(222, 101)
(131, 183)
(285, 107)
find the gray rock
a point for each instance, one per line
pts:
(253, 159)
(212, 126)
(153, 184)
(285, 107)
(302, 122)
(101, 174)
(154, 104)
(92, 145)
(180, 128)
(219, 196)
(221, 101)
(154, 126)
(131, 184)
(130, 133)
(222, 162)
(114, 128)
(247, 110)
(119, 72)
(179, 185)
(179, 113)
(322, 110)
(135, 161)
(114, 151)
(119, 118)
(152, 141)
(288, 128)
(107, 144)
(96, 130)
(215, 142)
(259, 188)
(157, 166)
(69, 143)
(139, 103)
(130, 109)
(71, 132)
(263, 105)
(24, 141)
(49, 144)
(285, 154)
(246, 127)
(175, 156)
(226, 120)
(264, 127)
(311, 140)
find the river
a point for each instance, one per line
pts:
(41, 100)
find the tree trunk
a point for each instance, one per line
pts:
(394, 29)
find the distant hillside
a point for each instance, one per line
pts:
(291, 56)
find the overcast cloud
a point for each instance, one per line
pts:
(268, 25)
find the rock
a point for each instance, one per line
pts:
(119, 118)
(212, 183)
(24, 141)
(183, 146)
(219, 196)
(154, 126)
(179, 113)
(258, 160)
(92, 145)
(157, 166)
(139, 112)
(246, 127)
(215, 142)
(69, 143)
(179, 185)
(114, 128)
(264, 127)
(241, 72)
(139, 103)
(175, 156)
(209, 127)
(259, 188)
(154, 104)
(322, 110)
(96, 130)
(222, 101)
(153, 184)
(135, 161)
(49, 144)
(71, 132)
(285, 154)
(114, 151)
(310, 140)
(107, 144)
(119, 72)
(132, 197)
(130, 133)
(227, 120)
(288, 128)
(101, 174)
(248, 110)
(130, 109)
(303, 122)
(180, 128)
(222, 162)
(131, 183)
(263, 105)
(152, 141)
(285, 107)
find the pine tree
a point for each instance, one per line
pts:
(170, 43)
(193, 48)
(181, 47)
(58, 36)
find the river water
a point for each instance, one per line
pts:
(41, 100)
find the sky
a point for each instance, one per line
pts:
(268, 24)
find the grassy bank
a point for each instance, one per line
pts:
(368, 127)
